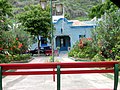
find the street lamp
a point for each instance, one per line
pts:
(58, 7)
(43, 3)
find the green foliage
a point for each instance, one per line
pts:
(16, 41)
(72, 8)
(5, 8)
(18, 57)
(98, 57)
(24, 38)
(100, 9)
(51, 59)
(3, 59)
(108, 36)
(5, 13)
(78, 8)
(105, 41)
(35, 20)
(67, 16)
(82, 18)
(83, 52)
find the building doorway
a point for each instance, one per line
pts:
(63, 42)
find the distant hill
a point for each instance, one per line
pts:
(79, 8)
(74, 8)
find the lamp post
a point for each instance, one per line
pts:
(59, 9)
(52, 31)
(43, 4)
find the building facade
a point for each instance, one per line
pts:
(68, 32)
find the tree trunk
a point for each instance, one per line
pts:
(38, 45)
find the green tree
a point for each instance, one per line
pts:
(5, 13)
(108, 35)
(36, 21)
(16, 41)
(100, 9)
(23, 38)
(67, 16)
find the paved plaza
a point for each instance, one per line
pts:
(45, 82)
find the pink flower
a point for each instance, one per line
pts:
(16, 38)
(20, 45)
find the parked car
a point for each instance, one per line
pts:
(46, 48)
(35, 51)
(42, 50)
(49, 52)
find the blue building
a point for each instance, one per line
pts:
(68, 32)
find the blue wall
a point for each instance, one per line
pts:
(71, 31)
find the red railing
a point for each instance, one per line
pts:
(55, 68)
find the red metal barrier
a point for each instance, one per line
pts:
(54, 65)
(52, 68)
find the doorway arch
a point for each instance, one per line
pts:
(63, 42)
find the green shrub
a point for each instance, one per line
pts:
(98, 57)
(71, 53)
(83, 52)
(117, 57)
(16, 57)
(4, 58)
(12, 58)
(81, 55)
(22, 57)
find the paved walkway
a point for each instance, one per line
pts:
(45, 82)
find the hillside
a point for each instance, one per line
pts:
(76, 9)
(79, 8)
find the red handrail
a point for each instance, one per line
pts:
(48, 69)
(54, 65)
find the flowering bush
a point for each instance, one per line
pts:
(9, 58)
(86, 51)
